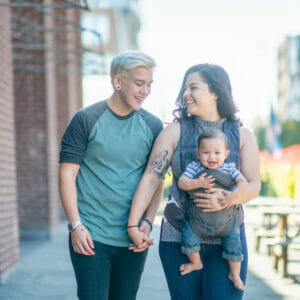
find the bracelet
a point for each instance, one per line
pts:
(149, 223)
(130, 226)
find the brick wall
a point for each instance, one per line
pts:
(68, 71)
(54, 207)
(74, 78)
(37, 101)
(8, 202)
(31, 123)
(78, 78)
(62, 65)
(42, 110)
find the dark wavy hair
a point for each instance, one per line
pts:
(218, 82)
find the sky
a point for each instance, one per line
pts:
(240, 35)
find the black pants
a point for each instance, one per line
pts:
(113, 273)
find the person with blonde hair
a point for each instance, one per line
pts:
(104, 152)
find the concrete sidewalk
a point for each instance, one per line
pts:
(45, 272)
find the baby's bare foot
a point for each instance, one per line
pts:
(237, 281)
(189, 267)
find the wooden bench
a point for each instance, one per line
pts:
(263, 233)
(279, 250)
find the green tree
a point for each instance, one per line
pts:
(290, 133)
(260, 133)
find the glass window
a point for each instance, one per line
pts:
(98, 3)
(99, 22)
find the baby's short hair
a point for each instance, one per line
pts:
(213, 133)
(123, 62)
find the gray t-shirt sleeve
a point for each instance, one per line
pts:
(75, 139)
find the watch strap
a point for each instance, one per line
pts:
(73, 225)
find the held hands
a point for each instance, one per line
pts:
(140, 237)
(81, 241)
(213, 200)
(206, 182)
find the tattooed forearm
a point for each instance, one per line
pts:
(160, 164)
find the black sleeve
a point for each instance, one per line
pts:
(158, 129)
(154, 123)
(75, 139)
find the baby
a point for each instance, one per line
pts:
(212, 152)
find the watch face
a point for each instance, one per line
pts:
(70, 227)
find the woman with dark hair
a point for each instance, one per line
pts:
(205, 101)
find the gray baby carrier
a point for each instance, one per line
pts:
(180, 207)
(211, 224)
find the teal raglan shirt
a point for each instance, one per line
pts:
(112, 151)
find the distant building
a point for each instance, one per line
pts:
(119, 24)
(289, 79)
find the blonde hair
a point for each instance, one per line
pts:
(123, 62)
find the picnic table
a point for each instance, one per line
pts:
(268, 207)
(283, 238)
(282, 213)
(273, 202)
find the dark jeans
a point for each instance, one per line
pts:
(210, 283)
(231, 243)
(113, 273)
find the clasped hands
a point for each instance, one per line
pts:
(140, 237)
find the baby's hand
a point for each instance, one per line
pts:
(205, 182)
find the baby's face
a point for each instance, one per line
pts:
(212, 153)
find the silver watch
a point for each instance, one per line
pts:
(73, 225)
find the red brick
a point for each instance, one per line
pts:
(8, 201)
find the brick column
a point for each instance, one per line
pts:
(52, 88)
(74, 75)
(62, 74)
(9, 250)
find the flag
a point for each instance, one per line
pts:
(273, 143)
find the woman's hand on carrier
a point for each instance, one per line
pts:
(212, 200)
(228, 200)
(81, 241)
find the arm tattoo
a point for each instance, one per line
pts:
(160, 164)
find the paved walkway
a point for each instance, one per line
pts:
(44, 272)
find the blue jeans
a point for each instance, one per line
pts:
(231, 242)
(113, 273)
(210, 283)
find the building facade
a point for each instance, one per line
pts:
(9, 234)
(119, 24)
(40, 89)
(289, 79)
(42, 63)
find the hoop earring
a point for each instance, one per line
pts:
(118, 87)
